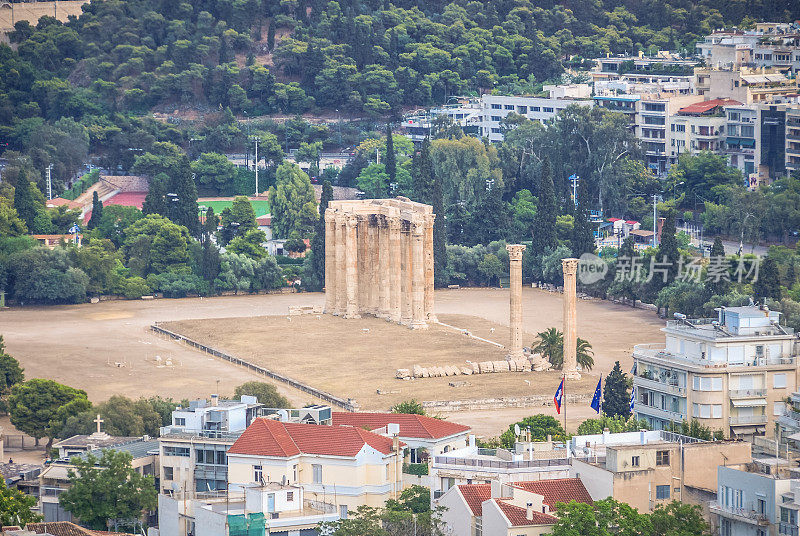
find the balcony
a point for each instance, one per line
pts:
(657, 353)
(739, 514)
(787, 529)
(662, 387)
(748, 420)
(747, 393)
(659, 413)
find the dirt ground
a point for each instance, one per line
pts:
(107, 348)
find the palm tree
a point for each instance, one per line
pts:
(550, 344)
(584, 354)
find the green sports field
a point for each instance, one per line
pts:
(260, 206)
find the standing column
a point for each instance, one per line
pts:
(373, 249)
(405, 291)
(570, 267)
(383, 268)
(395, 268)
(363, 268)
(330, 262)
(351, 255)
(515, 311)
(429, 274)
(418, 274)
(340, 303)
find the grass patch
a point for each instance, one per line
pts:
(260, 206)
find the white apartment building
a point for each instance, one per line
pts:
(193, 449)
(769, 45)
(699, 127)
(741, 135)
(732, 373)
(666, 72)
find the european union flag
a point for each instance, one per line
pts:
(557, 397)
(597, 395)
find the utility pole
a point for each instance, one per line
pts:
(49, 182)
(256, 165)
(655, 221)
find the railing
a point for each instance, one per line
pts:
(743, 514)
(177, 431)
(748, 393)
(786, 528)
(502, 464)
(659, 351)
(748, 419)
(660, 386)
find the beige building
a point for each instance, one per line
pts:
(344, 465)
(732, 373)
(745, 85)
(654, 473)
(792, 139)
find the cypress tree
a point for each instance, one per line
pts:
(717, 250)
(616, 396)
(391, 160)
(768, 284)
(210, 225)
(185, 211)
(582, 236)
(668, 248)
(210, 263)
(24, 201)
(271, 35)
(97, 211)
(440, 276)
(423, 173)
(318, 242)
(155, 200)
(712, 286)
(544, 223)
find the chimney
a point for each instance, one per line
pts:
(642, 437)
(529, 512)
(497, 489)
(471, 440)
(395, 444)
(214, 400)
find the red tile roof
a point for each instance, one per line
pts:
(266, 437)
(58, 201)
(517, 516)
(705, 106)
(416, 426)
(474, 495)
(557, 490)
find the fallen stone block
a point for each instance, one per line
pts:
(512, 366)
(402, 373)
(466, 371)
(501, 366)
(475, 368)
(486, 367)
(454, 370)
(418, 371)
(426, 373)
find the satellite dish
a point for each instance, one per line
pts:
(516, 430)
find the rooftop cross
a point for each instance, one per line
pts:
(99, 421)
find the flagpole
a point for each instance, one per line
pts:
(564, 396)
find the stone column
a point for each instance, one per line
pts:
(330, 262)
(351, 256)
(570, 267)
(395, 268)
(515, 311)
(340, 302)
(384, 277)
(418, 320)
(429, 314)
(405, 287)
(372, 260)
(363, 264)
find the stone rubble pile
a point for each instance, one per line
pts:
(534, 362)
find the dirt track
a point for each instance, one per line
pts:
(80, 345)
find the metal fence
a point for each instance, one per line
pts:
(327, 397)
(18, 442)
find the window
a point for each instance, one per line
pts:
(509, 107)
(496, 107)
(496, 118)
(762, 506)
(680, 128)
(706, 384)
(168, 473)
(536, 109)
(779, 381)
(180, 421)
(779, 408)
(547, 109)
(289, 496)
(495, 131)
(317, 472)
(662, 492)
(662, 457)
(258, 473)
(748, 131)
(176, 451)
(716, 411)
(634, 461)
(343, 511)
(788, 516)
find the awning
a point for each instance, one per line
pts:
(794, 437)
(761, 429)
(744, 430)
(741, 142)
(749, 403)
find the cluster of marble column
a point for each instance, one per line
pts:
(381, 265)
(570, 268)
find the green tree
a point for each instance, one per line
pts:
(155, 202)
(30, 207)
(121, 416)
(374, 181)
(582, 239)
(40, 407)
(97, 211)
(266, 393)
(214, 173)
(391, 158)
(415, 498)
(679, 519)
(717, 285)
(491, 269)
(409, 406)
(603, 518)
(584, 354)
(550, 344)
(16, 507)
(422, 173)
(114, 221)
(544, 223)
(10, 222)
(365, 521)
(249, 244)
(616, 394)
(106, 489)
(768, 283)
(317, 279)
(294, 207)
(615, 425)
(540, 426)
(236, 220)
(10, 375)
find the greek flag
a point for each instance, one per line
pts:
(74, 229)
(595, 405)
(633, 397)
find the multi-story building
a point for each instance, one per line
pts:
(732, 373)
(193, 448)
(699, 127)
(512, 509)
(653, 126)
(667, 72)
(757, 499)
(346, 465)
(775, 45)
(744, 84)
(650, 468)
(741, 131)
(792, 139)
